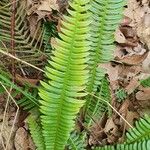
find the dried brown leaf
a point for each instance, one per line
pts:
(144, 94)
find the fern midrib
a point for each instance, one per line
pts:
(67, 76)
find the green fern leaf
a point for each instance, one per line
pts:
(98, 105)
(49, 32)
(105, 16)
(36, 131)
(76, 141)
(137, 138)
(28, 100)
(146, 82)
(140, 132)
(106, 148)
(63, 96)
(143, 145)
(121, 94)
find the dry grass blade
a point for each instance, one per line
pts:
(24, 62)
(4, 116)
(112, 108)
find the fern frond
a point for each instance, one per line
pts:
(36, 131)
(140, 132)
(109, 147)
(143, 145)
(98, 106)
(28, 100)
(67, 72)
(49, 32)
(27, 47)
(105, 16)
(120, 94)
(76, 141)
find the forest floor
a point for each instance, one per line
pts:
(130, 65)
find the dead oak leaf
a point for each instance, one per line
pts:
(132, 86)
(144, 94)
(110, 126)
(21, 139)
(48, 5)
(134, 59)
(131, 117)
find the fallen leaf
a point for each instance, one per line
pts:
(134, 59)
(132, 86)
(146, 64)
(128, 32)
(144, 94)
(23, 81)
(143, 29)
(119, 37)
(110, 127)
(48, 5)
(130, 118)
(21, 139)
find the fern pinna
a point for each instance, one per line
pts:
(105, 16)
(67, 72)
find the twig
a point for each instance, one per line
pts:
(24, 62)
(112, 108)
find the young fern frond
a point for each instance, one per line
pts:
(36, 131)
(98, 106)
(106, 15)
(63, 96)
(76, 141)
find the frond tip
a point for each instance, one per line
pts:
(67, 72)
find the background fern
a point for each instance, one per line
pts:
(105, 16)
(120, 94)
(30, 48)
(98, 105)
(76, 141)
(28, 99)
